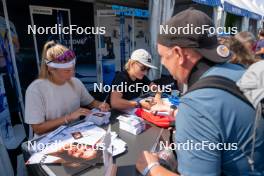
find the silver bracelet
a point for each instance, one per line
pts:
(147, 169)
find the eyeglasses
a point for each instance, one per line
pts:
(142, 67)
(65, 57)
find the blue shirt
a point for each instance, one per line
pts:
(214, 116)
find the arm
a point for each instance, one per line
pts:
(153, 86)
(117, 102)
(100, 105)
(161, 171)
(48, 126)
(157, 98)
(261, 51)
(88, 101)
(51, 125)
(146, 159)
(94, 104)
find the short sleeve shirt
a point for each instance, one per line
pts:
(47, 101)
(130, 89)
(218, 124)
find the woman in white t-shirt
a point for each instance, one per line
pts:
(56, 97)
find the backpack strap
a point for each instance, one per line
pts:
(219, 82)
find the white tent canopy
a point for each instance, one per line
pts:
(258, 6)
(249, 8)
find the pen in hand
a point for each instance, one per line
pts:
(104, 102)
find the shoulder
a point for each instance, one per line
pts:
(37, 85)
(215, 98)
(212, 109)
(145, 78)
(39, 88)
(121, 76)
(258, 66)
(77, 84)
(227, 70)
(261, 42)
(210, 102)
(76, 81)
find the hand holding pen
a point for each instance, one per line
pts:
(104, 106)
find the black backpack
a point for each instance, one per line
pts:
(228, 85)
(219, 82)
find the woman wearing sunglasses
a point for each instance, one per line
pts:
(132, 80)
(56, 97)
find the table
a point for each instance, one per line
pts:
(125, 162)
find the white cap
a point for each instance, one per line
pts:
(143, 57)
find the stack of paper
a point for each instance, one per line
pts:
(117, 145)
(131, 124)
(54, 146)
(98, 117)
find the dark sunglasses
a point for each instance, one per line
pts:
(142, 67)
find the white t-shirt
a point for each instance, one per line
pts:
(47, 101)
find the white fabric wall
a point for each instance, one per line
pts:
(160, 11)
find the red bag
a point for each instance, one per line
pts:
(161, 121)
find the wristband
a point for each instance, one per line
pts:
(138, 105)
(172, 109)
(147, 169)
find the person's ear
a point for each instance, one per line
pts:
(179, 54)
(132, 65)
(51, 70)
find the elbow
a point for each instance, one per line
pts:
(114, 103)
(38, 129)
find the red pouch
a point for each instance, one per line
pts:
(161, 121)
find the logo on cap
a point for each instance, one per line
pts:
(223, 51)
(149, 60)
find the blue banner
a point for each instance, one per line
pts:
(129, 11)
(209, 2)
(235, 10)
(240, 12)
(254, 16)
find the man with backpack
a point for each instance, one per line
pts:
(214, 119)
